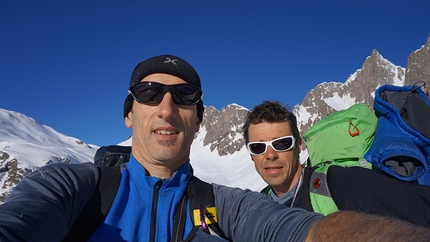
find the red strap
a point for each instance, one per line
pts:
(357, 132)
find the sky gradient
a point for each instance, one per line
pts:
(67, 64)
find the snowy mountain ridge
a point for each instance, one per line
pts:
(218, 153)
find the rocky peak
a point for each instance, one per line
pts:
(418, 67)
(360, 87)
(224, 128)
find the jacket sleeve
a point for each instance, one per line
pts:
(244, 215)
(44, 205)
(394, 152)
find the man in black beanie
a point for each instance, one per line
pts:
(153, 198)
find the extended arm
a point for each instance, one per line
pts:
(347, 226)
(251, 216)
(44, 205)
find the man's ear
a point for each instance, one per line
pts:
(299, 144)
(127, 120)
(198, 125)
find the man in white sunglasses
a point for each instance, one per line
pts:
(273, 140)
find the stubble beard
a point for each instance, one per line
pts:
(166, 143)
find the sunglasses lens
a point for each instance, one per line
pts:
(257, 148)
(283, 144)
(148, 94)
(185, 94)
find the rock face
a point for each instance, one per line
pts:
(223, 129)
(418, 67)
(360, 86)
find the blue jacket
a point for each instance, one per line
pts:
(401, 146)
(136, 189)
(45, 204)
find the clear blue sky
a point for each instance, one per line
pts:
(67, 64)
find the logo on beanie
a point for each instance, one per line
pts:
(173, 61)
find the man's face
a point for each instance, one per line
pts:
(162, 133)
(276, 168)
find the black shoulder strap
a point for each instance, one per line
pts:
(306, 199)
(201, 195)
(308, 162)
(98, 206)
(112, 155)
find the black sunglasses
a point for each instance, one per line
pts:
(153, 93)
(279, 145)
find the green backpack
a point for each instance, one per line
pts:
(341, 138)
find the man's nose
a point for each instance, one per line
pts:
(271, 154)
(167, 108)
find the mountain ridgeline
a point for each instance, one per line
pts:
(224, 126)
(26, 145)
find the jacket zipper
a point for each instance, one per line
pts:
(154, 210)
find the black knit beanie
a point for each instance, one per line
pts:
(167, 64)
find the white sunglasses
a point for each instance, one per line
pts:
(279, 145)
